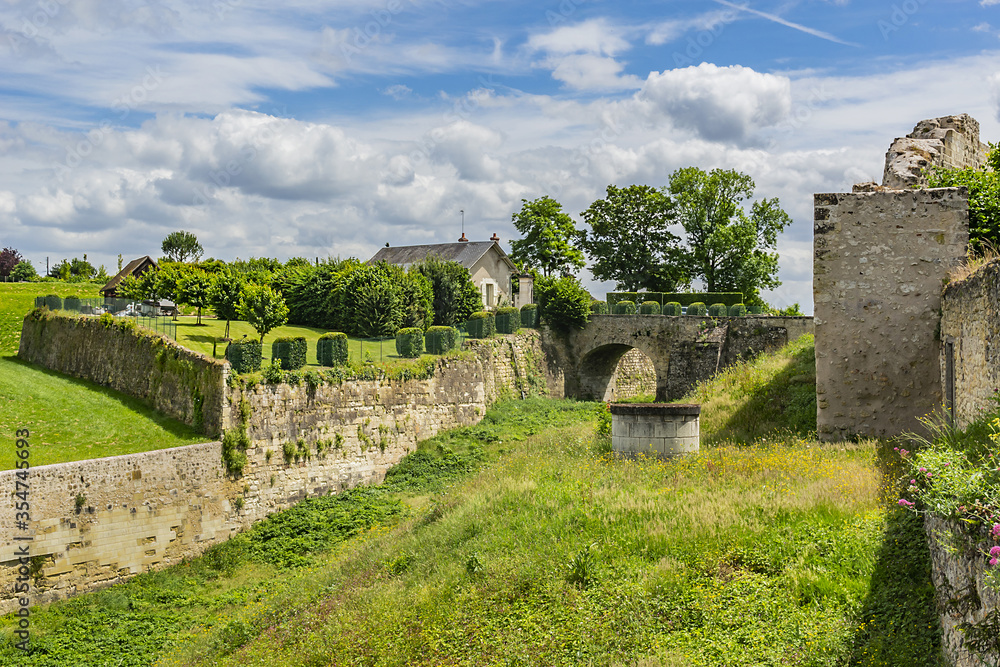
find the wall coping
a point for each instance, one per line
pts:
(656, 409)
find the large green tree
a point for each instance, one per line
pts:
(984, 199)
(194, 288)
(262, 308)
(728, 247)
(182, 246)
(629, 242)
(455, 295)
(224, 295)
(549, 236)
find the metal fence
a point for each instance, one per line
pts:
(143, 315)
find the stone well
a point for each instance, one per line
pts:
(664, 429)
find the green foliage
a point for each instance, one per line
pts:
(683, 298)
(508, 320)
(23, 271)
(262, 308)
(234, 446)
(273, 373)
(718, 310)
(672, 308)
(331, 349)
(625, 308)
(548, 238)
(410, 342)
(441, 339)
(372, 300)
(224, 294)
(455, 297)
(417, 295)
(72, 303)
(194, 288)
(697, 309)
(244, 355)
(984, 198)
(182, 246)
(315, 294)
(529, 316)
(599, 307)
(563, 304)
(791, 311)
(738, 310)
(291, 351)
(9, 260)
(481, 325)
(581, 570)
(649, 308)
(53, 302)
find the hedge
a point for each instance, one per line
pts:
(53, 302)
(291, 351)
(244, 355)
(649, 308)
(739, 310)
(72, 303)
(683, 298)
(599, 307)
(331, 349)
(529, 316)
(697, 308)
(625, 308)
(439, 340)
(410, 342)
(508, 320)
(481, 325)
(672, 308)
(756, 310)
(718, 310)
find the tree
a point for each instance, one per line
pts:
(9, 258)
(417, 295)
(182, 246)
(629, 240)
(984, 198)
(729, 249)
(263, 308)
(193, 289)
(23, 271)
(455, 295)
(224, 295)
(548, 238)
(563, 303)
(372, 301)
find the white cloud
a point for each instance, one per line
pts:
(586, 71)
(596, 36)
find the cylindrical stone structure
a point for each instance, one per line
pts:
(663, 429)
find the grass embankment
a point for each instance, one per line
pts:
(775, 552)
(17, 299)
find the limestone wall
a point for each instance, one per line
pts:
(950, 141)
(516, 366)
(880, 260)
(635, 375)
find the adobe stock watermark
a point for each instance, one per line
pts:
(364, 34)
(702, 40)
(22, 538)
(899, 16)
(565, 9)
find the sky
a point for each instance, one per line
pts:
(315, 129)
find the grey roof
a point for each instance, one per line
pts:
(466, 254)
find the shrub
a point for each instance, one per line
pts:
(672, 308)
(697, 309)
(291, 351)
(23, 271)
(373, 300)
(331, 349)
(739, 310)
(410, 342)
(441, 339)
(599, 307)
(508, 320)
(72, 303)
(756, 310)
(53, 302)
(529, 316)
(273, 374)
(683, 298)
(244, 356)
(718, 310)
(625, 308)
(563, 304)
(649, 308)
(39, 302)
(481, 325)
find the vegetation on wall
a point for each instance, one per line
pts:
(984, 199)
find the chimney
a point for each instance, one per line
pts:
(463, 239)
(495, 238)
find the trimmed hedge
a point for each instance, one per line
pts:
(599, 307)
(72, 303)
(529, 316)
(410, 342)
(739, 310)
(481, 325)
(756, 310)
(697, 309)
(718, 310)
(244, 355)
(331, 349)
(625, 308)
(649, 308)
(508, 320)
(53, 302)
(439, 340)
(39, 302)
(672, 308)
(683, 298)
(291, 351)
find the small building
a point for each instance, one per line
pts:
(490, 269)
(136, 268)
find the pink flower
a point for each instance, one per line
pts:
(923, 470)
(930, 474)
(996, 530)
(995, 551)
(903, 502)
(993, 561)
(946, 464)
(913, 481)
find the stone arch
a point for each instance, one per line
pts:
(599, 368)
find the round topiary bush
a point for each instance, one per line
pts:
(53, 302)
(649, 308)
(698, 309)
(481, 325)
(72, 303)
(599, 308)
(718, 310)
(625, 308)
(291, 350)
(331, 349)
(737, 310)
(439, 340)
(673, 308)
(756, 310)
(410, 342)
(529, 316)
(508, 320)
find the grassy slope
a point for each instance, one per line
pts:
(16, 299)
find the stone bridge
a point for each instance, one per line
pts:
(683, 350)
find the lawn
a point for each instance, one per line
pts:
(16, 299)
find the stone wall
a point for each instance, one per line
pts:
(635, 375)
(516, 366)
(880, 260)
(950, 141)
(174, 380)
(962, 597)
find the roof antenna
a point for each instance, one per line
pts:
(463, 239)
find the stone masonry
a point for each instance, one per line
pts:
(951, 141)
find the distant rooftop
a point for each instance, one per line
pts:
(465, 253)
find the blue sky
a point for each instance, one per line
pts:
(330, 128)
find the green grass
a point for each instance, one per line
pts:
(16, 299)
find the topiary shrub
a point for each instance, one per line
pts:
(291, 351)
(599, 308)
(739, 310)
(625, 308)
(244, 356)
(508, 320)
(756, 310)
(39, 302)
(481, 325)
(672, 308)
(439, 340)
(72, 303)
(331, 349)
(529, 315)
(718, 310)
(410, 342)
(53, 302)
(698, 309)
(649, 308)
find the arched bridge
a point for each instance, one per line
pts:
(684, 350)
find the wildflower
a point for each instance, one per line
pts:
(996, 530)
(946, 464)
(913, 481)
(993, 561)
(903, 502)
(923, 470)
(995, 551)
(930, 474)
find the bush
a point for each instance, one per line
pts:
(291, 351)
(683, 298)
(599, 308)
(481, 325)
(53, 302)
(410, 342)
(649, 308)
(739, 310)
(718, 310)
(244, 356)
(672, 308)
(331, 349)
(372, 299)
(23, 271)
(625, 308)
(273, 374)
(563, 304)
(756, 310)
(697, 309)
(529, 316)
(72, 303)
(39, 302)
(508, 320)
(441, 339)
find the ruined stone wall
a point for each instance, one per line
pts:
(950, 141)
(880, 260)
(634, 376)
(516, 366)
